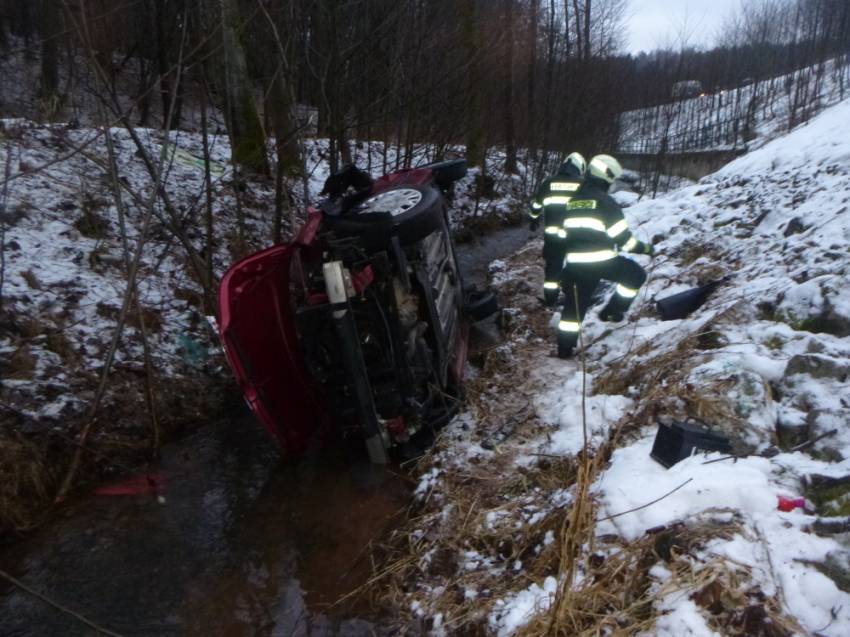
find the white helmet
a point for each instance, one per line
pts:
(606, 168)
(574, 165)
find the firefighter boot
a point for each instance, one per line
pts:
(567, 338)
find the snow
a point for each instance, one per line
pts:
(682, 619)
(513, 613)
(559, 408)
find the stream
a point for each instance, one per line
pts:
(235, 542)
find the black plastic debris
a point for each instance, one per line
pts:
(679, 306)
(680, 440)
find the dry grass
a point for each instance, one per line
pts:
(483, 510)
(25, 480)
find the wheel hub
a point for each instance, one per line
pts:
(395, 202)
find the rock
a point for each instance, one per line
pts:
(795, 226)
(836, 567)
(818, 366)
(819, 305)
(836, 447)
(737, 405)
(792, 427)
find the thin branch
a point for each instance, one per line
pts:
(3, 198)
(648, 504)
(80, 618)
(128, 294)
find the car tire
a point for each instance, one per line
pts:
(410, 212)
(481, 305)
(448, 172)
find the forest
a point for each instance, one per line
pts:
(542, 76)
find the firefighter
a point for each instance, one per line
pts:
(551, 200)
(596, 231)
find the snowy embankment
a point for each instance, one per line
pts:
(700, 548)
(721, 120)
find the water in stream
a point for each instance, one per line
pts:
(242, 544)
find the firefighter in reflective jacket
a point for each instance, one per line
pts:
(596, 231)
(551, 200)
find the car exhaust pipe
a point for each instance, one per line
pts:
(353, 362)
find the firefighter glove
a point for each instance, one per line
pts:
(534, 224)
(649, 250)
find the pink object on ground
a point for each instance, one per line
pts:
(789, 504)
(151, 484)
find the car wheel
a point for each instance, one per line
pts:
(480, 305)
(411, 212)
(448, 172)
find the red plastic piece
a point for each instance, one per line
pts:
(787, 504)
(153, 484)
(310, 228)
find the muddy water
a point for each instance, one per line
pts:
(236, 542)
(475, 255)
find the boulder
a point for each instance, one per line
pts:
(736, 403)
(818, 366)
(820, 305)
(821, 421)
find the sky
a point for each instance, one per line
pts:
(655, 24)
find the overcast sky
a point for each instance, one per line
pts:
(655, 24)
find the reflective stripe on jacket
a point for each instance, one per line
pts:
(596, 228)
(553, 196)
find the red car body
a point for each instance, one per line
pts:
(258, 329)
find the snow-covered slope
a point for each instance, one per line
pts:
(765, 362)
(719, 120)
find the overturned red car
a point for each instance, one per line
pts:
(360, 325)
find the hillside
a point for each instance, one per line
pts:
(518, 531)
(743, 117)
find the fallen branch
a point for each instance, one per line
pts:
(7, 171)
(800, 447)
(56, 605)
(647, 505)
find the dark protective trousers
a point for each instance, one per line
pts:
(553, 253)
(580, 280)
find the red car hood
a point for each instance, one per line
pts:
(257, 329)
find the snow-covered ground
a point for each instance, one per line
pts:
(701, 548)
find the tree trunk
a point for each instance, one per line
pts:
(510, 141)
(475, 152)
(243, 122)
(50, 26)
(532, 80)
